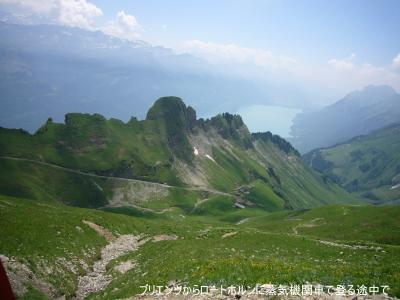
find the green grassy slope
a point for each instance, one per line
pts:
(281, 247)
(354, 224)
(367, 165)
(92, 143)
(158, 149)
(27, 179)
(269, 173)
(36, 181)
(293, 181)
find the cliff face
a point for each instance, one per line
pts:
(175, 121)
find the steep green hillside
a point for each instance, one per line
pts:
(170, 147)
(49, 248)
(292, 179)
(368, 166)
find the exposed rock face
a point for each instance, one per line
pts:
(174, 121)
(164, 237)
(277, 140)
(125, 266)
(98, 280)
(128, 193)
(21, 276)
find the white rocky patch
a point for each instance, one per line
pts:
(97, 279)
(21, 277)
(210, 158)
(125, 266)
(395, 186)
(165, 237)
(195, 151)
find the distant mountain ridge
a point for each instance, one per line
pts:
(358, 113)
(172, 147)
(367, 165)
(53, 70)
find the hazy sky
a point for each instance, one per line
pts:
(328, 48)
(324, 48)
(311, 31)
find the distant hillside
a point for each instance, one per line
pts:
(367, 165)
(356, 114)
(182, 154)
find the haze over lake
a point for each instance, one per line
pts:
(277, 119)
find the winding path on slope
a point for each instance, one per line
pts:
(200, 189)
